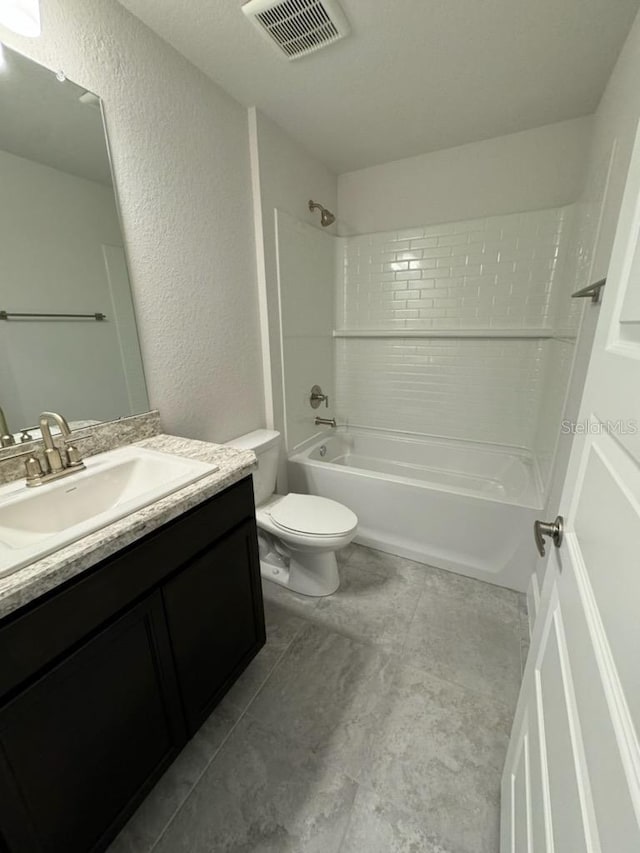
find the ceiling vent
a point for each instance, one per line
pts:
(298, 27)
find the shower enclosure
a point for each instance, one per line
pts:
(446, 352)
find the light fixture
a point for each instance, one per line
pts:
(21, 16)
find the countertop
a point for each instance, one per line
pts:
(42, 576)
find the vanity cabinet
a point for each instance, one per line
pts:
(106, 678)
(89, 734)
(214, 623)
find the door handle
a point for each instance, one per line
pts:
(553, 529)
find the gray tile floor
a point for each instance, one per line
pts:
(373, 721)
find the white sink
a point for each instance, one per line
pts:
(37, 521)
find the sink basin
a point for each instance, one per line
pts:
(38, 521)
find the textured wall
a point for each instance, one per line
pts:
(181, 159)
(535, 169)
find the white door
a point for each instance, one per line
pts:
(572, 776)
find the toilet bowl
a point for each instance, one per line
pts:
(298, 535)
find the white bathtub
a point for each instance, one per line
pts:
(461, 506)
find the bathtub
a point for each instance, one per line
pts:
(462, 506)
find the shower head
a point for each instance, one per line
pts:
(326, 217)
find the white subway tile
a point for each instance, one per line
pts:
(453, 240)
(438, 252)
(497, 272)
(425, 243)
(411, 233)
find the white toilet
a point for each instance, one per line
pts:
(298, 535)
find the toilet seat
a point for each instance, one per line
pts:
(312, 516)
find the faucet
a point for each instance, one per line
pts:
(6, 439)
(56, 463)
(331, 422)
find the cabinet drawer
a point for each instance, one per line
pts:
(36, 635)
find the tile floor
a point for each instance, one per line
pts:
(373, 721)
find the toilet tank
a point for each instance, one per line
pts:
(265, 443)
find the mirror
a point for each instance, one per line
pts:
(68, 337)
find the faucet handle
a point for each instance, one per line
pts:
(74, 457)
(316, 397)
(33, 469)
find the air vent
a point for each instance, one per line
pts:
(298, 27)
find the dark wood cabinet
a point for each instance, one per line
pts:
(213, 624)
(92, 711)
(89, 735)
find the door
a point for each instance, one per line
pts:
(216, 620)
(572, 776)
(81, 747)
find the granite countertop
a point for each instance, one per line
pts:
(42, 576)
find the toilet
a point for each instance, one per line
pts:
(298, 535)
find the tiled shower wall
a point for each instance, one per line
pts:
(478, 274)
(474, 389)
(484, 277)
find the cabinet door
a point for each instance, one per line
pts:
(82, 745)
(216, 620)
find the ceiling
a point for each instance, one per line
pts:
(414, 75)
(44, 120)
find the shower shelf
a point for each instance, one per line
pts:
(444, 333)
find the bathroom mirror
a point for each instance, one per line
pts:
(68, 337)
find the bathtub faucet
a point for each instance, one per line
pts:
(326, 422)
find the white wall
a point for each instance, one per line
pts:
(285, 177)
(53, 226)
(180, 149)
(534, 169)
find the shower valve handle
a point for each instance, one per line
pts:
(316, 397)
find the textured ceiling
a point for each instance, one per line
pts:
(414, 75)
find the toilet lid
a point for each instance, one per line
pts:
(313, 515)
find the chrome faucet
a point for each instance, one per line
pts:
(6, 439)
(331, 422)
(57, 463)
